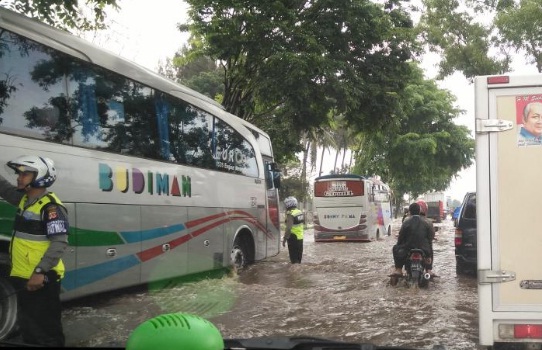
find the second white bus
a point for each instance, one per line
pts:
(350, 207)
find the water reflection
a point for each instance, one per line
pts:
(340, 291)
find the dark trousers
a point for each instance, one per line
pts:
(39, 312)
(399, 255)
(295, 249)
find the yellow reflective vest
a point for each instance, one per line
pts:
(29, 241)
(299, 220)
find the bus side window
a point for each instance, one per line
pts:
(233, 153)
(112, 112)
(33, 102)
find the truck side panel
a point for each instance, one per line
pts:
(508, 215)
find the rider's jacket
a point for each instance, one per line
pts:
(299, 220)
(33, 224)
(416, 232)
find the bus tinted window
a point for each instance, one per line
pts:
(112, 113)
(109, 112)
(232, 152)
(339, 188)
(31, 90)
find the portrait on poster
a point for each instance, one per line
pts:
(529, 120)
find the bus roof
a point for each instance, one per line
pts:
(340, 176)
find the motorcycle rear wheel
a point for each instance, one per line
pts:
(422, 282)
(414, 278)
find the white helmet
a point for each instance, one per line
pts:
(43, 167)
(290, 202)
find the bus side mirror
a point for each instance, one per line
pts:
(276, 179)
(273, 176)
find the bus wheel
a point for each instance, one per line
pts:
(239, 255)
(389, 230)
(8, 308)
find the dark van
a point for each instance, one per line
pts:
(465, 236)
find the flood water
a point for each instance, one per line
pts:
(340, 291)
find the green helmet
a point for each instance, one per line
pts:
(175, 331)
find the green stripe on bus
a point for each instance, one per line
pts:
(88, 238)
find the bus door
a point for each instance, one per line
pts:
(268, 211)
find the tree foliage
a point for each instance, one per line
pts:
(288, 63)
(64, 14)
(482, 37)
(425, 149)
(520, 25)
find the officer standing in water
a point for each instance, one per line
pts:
(294, 230)
(39, 239)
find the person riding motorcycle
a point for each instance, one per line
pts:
(415, 232)
(423, 214)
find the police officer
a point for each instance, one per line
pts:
(39, 239)
(294, 230)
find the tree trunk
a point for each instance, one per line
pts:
(344, 156)
(322, 161)
(335, 170)
(304, 172)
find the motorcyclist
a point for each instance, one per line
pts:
(415, 232)
(423, 214)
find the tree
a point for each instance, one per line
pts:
(65, 14)
(292, 182)
(294, 61)
(521, 27)
(481, 37)
(424, 149)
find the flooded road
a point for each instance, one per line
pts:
(340, 291)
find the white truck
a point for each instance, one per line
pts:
(436, 206)
(509, 216)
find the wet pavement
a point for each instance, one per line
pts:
(340, 291)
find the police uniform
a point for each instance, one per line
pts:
(37, 224)
(295, 234)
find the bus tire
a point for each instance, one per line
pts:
(389, 230)
(8, 308)
(241, 255)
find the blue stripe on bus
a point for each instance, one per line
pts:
(143, 235)
(91, 274)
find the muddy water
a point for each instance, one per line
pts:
(340, 291)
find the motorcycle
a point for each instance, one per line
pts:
(415, 267)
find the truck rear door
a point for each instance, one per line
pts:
(509, 216)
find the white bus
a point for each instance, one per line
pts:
(159, 181)
(351, 208)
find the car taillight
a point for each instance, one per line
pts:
(274, 215)
(529, 331)
(416, 256)
(458, 237)
(511, 331)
